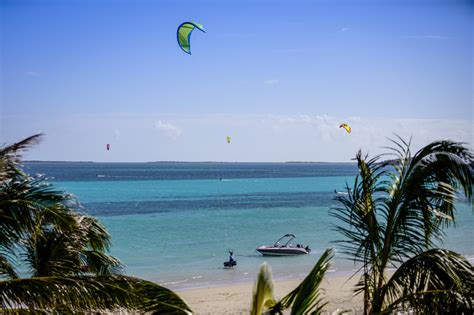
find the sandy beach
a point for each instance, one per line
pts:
(236, 299)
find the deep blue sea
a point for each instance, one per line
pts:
(173, 223)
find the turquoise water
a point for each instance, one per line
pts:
(176, 231)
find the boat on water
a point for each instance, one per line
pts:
(282, 247)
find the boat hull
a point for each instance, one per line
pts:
(281, 251)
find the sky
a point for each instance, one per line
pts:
(279, 77)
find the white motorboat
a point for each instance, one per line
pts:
(282, 247)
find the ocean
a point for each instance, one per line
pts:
(173, 223)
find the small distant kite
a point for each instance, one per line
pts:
(228, 139)
(184, 35)
(346, 126)
(108, 147)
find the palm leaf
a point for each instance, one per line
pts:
(95, 233)
(399, 208)
(51, 253)
(62, 249)
(100, 263)
(6, 267)
(56, 240)
(435, 281)
(10, 156)
(306, 298)
(263, 296)
(23, 199)
(92, 294)
(422, 202)
(359, 212)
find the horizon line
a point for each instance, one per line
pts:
(158, 162)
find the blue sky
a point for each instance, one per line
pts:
(278, 76)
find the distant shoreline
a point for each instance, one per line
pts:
(188, 162)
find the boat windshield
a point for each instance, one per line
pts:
(283, 239)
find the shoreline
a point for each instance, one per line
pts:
(236, 298)
(194, 282)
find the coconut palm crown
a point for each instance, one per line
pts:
(63, 253)
(394, 217)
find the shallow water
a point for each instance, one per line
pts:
(174, 222)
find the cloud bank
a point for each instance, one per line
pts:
(255, 138)
(168, 129)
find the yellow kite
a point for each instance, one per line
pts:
(346, 126)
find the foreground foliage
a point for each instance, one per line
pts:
(394, 216)
(65, 252)
(305, 299)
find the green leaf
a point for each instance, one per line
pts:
(437, 281)
(263, 296)
(89, 294)
(306, 298)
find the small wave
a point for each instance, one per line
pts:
(176, 282)
(246, 180)
(197, 277)
(100, 175)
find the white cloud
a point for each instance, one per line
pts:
(168, 129)
(301, 119)
(259, 138)
(344, 29)
(370, 133)
(271, 82)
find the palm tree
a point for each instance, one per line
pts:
(305, 299)
(66, 252)
(394, 216)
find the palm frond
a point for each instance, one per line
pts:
(6, 268)
(89, 294)
(51, 253)
(10, 156)
(424, 200)
(306, 298)
(63, 249)
(19, 146)
(23, 199)
(56, 239)
(358, 212)
(399, 207)
(95, 233)
(435, 281)
(100, 263)
(263, 296)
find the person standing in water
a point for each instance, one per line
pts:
(231, 259)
